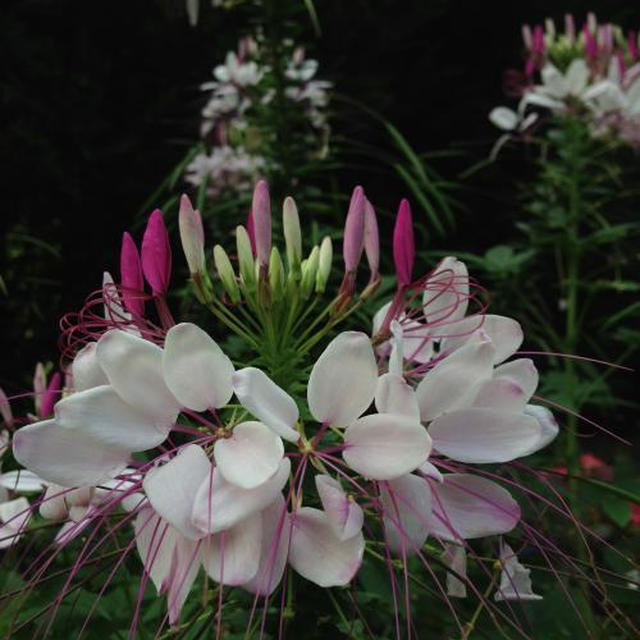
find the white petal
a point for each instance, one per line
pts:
(548, 426)
(505, 334)
(317, 555)
(233, 556)
(274, 548)
(196, 370)
(171, 488)
(446, 292)
(184, 570)
(65, 456)
(220, 505)
(407, 512)
(343, 380)
(431, 471)
(14, 517)
(382, 446)
(484, 435)
(21, 480)
(554, 82)
(86, 370)
(502, 394)
(267, 401)
(504, 118)
(394, 395)
(250, 456)
(345, 516)
(101, 414)
(522, 371)
(417, 343)
(450, 384)
(515, 581)
(53, 505)
(577, 76)
(134, 368)
(467, 506)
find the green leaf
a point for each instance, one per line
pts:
(618, 510)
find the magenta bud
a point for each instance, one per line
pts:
(131, 276)
(404, 248)
(538, 45)
(51, 395)
(156, 254)
(261, 210)
(353, 241)
(371, 239)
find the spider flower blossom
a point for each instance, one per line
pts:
(223, 469)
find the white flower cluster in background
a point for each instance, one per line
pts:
(592, 74)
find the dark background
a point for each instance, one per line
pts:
(100, 100)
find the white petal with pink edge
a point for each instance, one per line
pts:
(384, 446)
(483, 435)
(262, 397)
(317, 555)
(522, 371)
(196, 370)
(469, 506)
(343, 380)
(66, 456)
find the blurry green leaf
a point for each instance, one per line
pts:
(618, 510)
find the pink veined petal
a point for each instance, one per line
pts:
(467, 506)
(450, 384)
(220, 505)
(505, 334)
(343, 380)
(14, 519)
(172, 487)
(274, 548)
(100, 413)
(394, 395)
(232, 556)
(406, 503)
(22, 481)
(250, 456)
(523, 372)
(500, 393)
(196, 370)
(383, 446)
(86, 370)
(134, 369)
(317, 555)
(548, 426)
(267, 401)
(345, 516)
(484, 435)
(66, 456)
(446, 292)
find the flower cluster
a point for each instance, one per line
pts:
(301, 456)
(243, 95)
(592, 74)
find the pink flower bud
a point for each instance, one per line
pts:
(591, 45)
(191, 235)
(404, 249)
(538, 45)
(570, 27)
(527, 38)
(261, 209)
(131, 276)
(156, 254)
(51, 395)
(353, 241)
(371, 239)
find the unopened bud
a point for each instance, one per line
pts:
(261, 211)
(325, 259)
(191, 235)
(353, 242)
(245, 255)
(309, 272)
(276, 273)
(403, 244)
(371, 241)
(292, 233)
(570, 27)
(156, 254)
(226, 273)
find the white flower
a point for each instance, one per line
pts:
(243, 74)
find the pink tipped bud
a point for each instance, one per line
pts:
(156, 254)
(632, 43)
(251, 232)
(131, 275)
(191, 235)
(570, 27)
(261, 210)
(51, 396)
(592, 22)
(404, 249)
(527, 38)
(591, 45)
(5, 412)
(371, 240)
(353, 241)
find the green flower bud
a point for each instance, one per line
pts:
(276, 273)
(309, 272)
(226, 273)
(324, 264)
(292, 233)
(245, 255)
